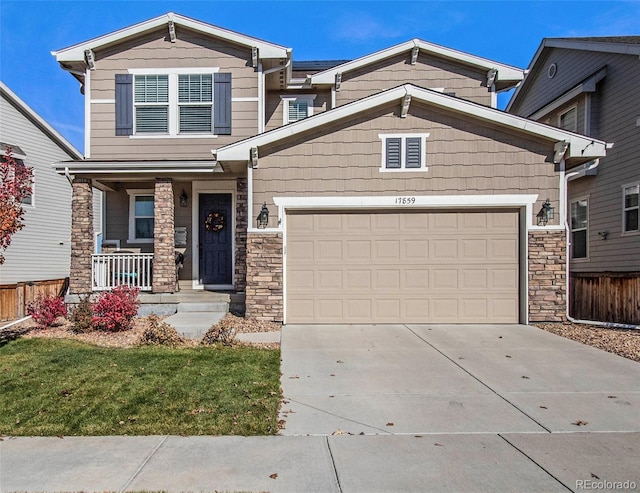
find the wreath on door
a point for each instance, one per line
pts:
(214, 222)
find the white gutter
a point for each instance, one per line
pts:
(609, 325)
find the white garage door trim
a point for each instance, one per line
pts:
(523, 202)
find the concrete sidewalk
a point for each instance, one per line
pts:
(529, 462)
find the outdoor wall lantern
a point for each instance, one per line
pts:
(546, 213)
(184, 198)
(263, 217)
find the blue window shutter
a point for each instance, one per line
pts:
(413, 158)
(393, 153)
(222, 104)
(124, 104)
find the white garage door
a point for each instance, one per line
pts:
(402, 267)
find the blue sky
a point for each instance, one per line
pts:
(508, 32)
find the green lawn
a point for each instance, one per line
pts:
(52, 387)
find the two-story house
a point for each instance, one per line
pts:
(383, 189)
(592, 86)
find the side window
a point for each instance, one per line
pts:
(569, 120)
(141, 218)
(631, 208)
(404, 152)
(296, 108)
(579, 228)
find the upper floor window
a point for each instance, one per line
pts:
(404, 152)
(173, 102)
(296, 108)
(631, 207)
(569, 120)
(579, 228)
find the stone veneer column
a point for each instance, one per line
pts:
(547, 276)
(264, 276)
(164, 266)
(81, 236)
(241, 235)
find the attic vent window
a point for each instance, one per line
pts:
(553, 68)
(296, 108)
(404, 152)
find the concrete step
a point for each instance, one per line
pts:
(194, 325)
(208, 306)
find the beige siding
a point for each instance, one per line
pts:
(274, 105)
(429, 72)
(463, 158)
(42, 249)
(154, 50)
(615, 109)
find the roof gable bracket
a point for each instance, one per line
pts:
(406, 101)
(414, 54)
(338, 80)
(254, 157)
(254, 56)
(559, 150)
(491, 77)
(172, 31)
(90, 59)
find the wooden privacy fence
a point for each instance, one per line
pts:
(605, 297)
(15, 298)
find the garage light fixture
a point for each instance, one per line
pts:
(263, 217)
(546, 213)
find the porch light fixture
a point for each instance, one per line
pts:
(263, 217)
(184, 199)
(546, 213)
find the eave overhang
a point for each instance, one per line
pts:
(89, 167)
(505, 78)
(76, 53)
(578, 146)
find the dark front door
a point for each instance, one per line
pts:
(216, 233)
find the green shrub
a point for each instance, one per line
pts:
(81, 316)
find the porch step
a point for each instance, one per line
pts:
(215, 306)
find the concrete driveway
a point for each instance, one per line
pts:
(428, 379)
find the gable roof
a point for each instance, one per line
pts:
(579, 146)
(75, 53)
(39, 122)
(626, 45)
(506, 77)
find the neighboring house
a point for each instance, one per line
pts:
(385, 189)
(592, 86)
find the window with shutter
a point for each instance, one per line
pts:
(151, 102)
(195, 103)
(403, 152)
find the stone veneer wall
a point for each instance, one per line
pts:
(547, 276)
(264, 277)
(81, 236)
(241, 234)
(164, 264)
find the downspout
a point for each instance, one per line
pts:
(609, 325)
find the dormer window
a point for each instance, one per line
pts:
(404, 152)
(296, 108)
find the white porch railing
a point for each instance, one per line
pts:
(109, 270)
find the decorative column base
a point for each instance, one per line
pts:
(164, 266)
(547, 276)
(264, 298)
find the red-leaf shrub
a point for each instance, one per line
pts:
(44, 310)
(114, 310)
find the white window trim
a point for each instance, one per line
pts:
(571, 231)
(288, 98)
(133, 193)
(575, 129)
(625, 209)
(174, 123)
(423, 155)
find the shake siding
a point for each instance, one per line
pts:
(616, 105)
(464, 157)
(42, 249)
(274, 105)
(153, 50)
(429, 72)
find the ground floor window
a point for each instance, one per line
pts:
(141, 220)
(579, 228)
(631, 207)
